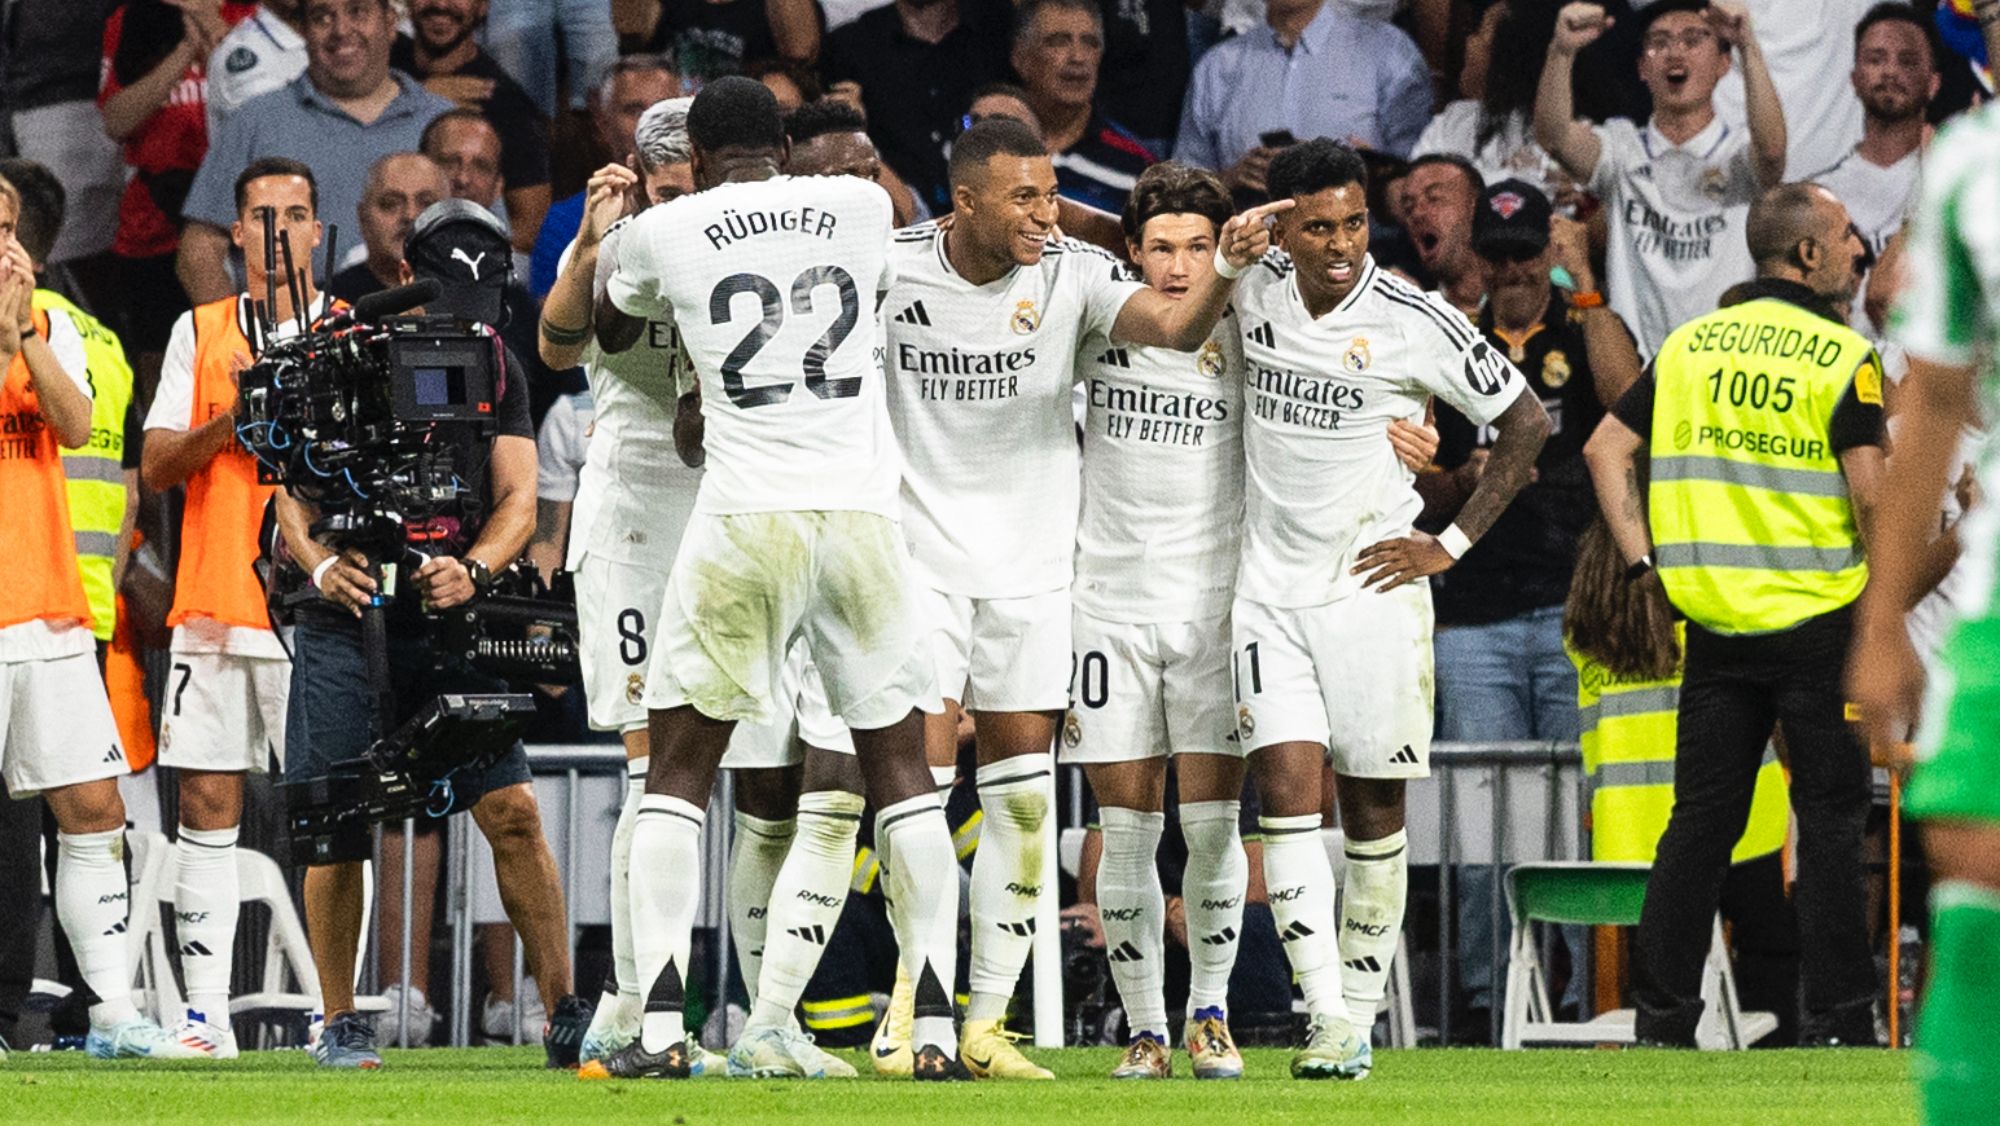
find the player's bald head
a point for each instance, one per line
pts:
(995, 136)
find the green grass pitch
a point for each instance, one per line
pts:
(492, 1085)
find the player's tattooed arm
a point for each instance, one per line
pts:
(1520, 431)
(1613, 456)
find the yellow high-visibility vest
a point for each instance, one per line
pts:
(96, 473)
(1628, 731)
(1752, 528)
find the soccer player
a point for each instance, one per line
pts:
(1949, 321)
(793, 535)
(57, 735)
(1332, 618)
(982, 327)
(231, 677)
(1157, 543)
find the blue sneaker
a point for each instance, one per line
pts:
(137, 1039)
(347, 1041)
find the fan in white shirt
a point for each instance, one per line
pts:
(1332, 619)
(1678, 189)
(1895, 75)
(981, 330)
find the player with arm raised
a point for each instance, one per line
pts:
(981, 331)
(793, 535)
(1332, 618)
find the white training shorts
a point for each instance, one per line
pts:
(618, 618)
(745, 587)
(1000, 654)
(1353, 676)
(225, 712)
(56, 727)
(1141, 691)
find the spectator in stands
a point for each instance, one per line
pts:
(1144, 76)
(151, 100)
(347, 110)
(400, 187)
(1000, 99)
(914, 65)
(259, 55)
(1803, 46)
(1501, 669)
(830, 138)
(631, 86)
(467, 147)
(1314, 70)
(1895, 77)
(1440, 195)
(444, 56)
(1492, 124)
(51, 54)
(547, 43)
(1678, 189)
(1058, 47)
(710, 38)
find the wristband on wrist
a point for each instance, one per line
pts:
(1639, 568)
(1223, 267)
(1454, 541)
(1586, 299)
(320, 571)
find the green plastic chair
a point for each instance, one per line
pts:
(1586, 893)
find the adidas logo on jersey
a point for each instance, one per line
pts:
(1365, 964)
(1127, 952)
(914, 315)
(1262, 334)
(814, 934)
(1405, 757)
(1115, 358)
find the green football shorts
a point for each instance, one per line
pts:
(1957, 776)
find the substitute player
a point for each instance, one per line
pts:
(981, 330)
(1332, 618)
(57, 735)
(1949, 321)
(794, 535)
(231, 677)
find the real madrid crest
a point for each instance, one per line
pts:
(1555, 369)
(1026, 319)
(1714, 183)
(1209, 360)
(1244, 722)
(635, 688)
(1072, 730)
(1358, 357)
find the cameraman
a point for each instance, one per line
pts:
(465, 248)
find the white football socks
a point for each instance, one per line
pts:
(806, 901)
(620, 1004)
(91, 901)
(1371, 921)
(1006, 878)
(923, 904)
(666, 893)
(1132, 909)
(1300, 879)
(206, 903)
(756, 852)
(1212, 891)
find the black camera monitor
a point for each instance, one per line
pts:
(442, 377)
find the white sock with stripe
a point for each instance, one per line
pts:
(1006, 878)
(91, 900)
(756, 852)
(1371, 921)
(620, 1002)
(1132, 909)
(806, 901)
(207, 899)
(1212, 890)
(923, 905)
(666, 893)
(1300, 879)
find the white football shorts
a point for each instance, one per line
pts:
(1354, 676)
(1000, 654)
(56, 727)
(225, 712)
(1141, 691)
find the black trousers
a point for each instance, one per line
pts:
(1734, 691)
(20, 902)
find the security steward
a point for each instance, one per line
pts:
(1762, 424)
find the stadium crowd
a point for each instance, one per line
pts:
(1579, 181)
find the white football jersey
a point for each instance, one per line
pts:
(980, 380)
(773, 284)
(1676, 216)
(1321, 482)
(1162, 516)
(1878, 200)
(634, 494)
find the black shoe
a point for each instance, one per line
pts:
(633, 1061)
(562, 1037)
(932, 1065)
